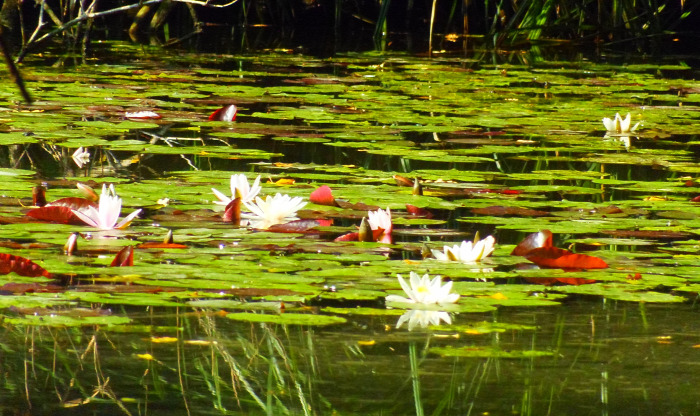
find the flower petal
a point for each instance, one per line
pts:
(126, 221)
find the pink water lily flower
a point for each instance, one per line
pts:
(618, 125)
(423, 290)
(380, 219)
(239, 187)
(106, 215)
(272, 210)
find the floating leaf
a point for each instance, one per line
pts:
(323, 196)
(61, 210)
(59, 214)
(500, 211)
(564, 259)
(535, 240)
(487, 352)
(296, 226)
(155, 244)
(549, 281)
(288, 318)
(418, 212)
(10, 263)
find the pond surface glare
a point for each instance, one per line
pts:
(263, 322)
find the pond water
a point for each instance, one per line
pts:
(246, 319)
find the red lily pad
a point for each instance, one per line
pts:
(323, 196)
(554, 257)
(535, 240)
(59, 214)
(418, 212)
(225, 113)
(24, 267)
(73, 203)
(60, 210)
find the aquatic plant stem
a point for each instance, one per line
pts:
(415, 379)
(430, 36)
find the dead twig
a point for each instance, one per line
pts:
(90, 15)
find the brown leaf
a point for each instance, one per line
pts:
(10, 263)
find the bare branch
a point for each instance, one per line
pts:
(88, 16)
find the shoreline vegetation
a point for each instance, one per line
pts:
(326, 27)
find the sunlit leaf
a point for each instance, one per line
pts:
(322, 196)
(564, 259)
(10, 263)
(535, 240)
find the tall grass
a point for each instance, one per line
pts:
(496, 23)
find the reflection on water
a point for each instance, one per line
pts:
(615, 358)
(501, 148)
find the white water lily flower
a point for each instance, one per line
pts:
(467, 252)
(425, 291)
(380, 219)
(618, 125)
(420, 318)
(106, 215)
(273, 210)
(240, 186)
(81, 157)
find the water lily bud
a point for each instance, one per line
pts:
(365, 233)
(72, 244)
(417, 187)
(168, 237)
(39, 195)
